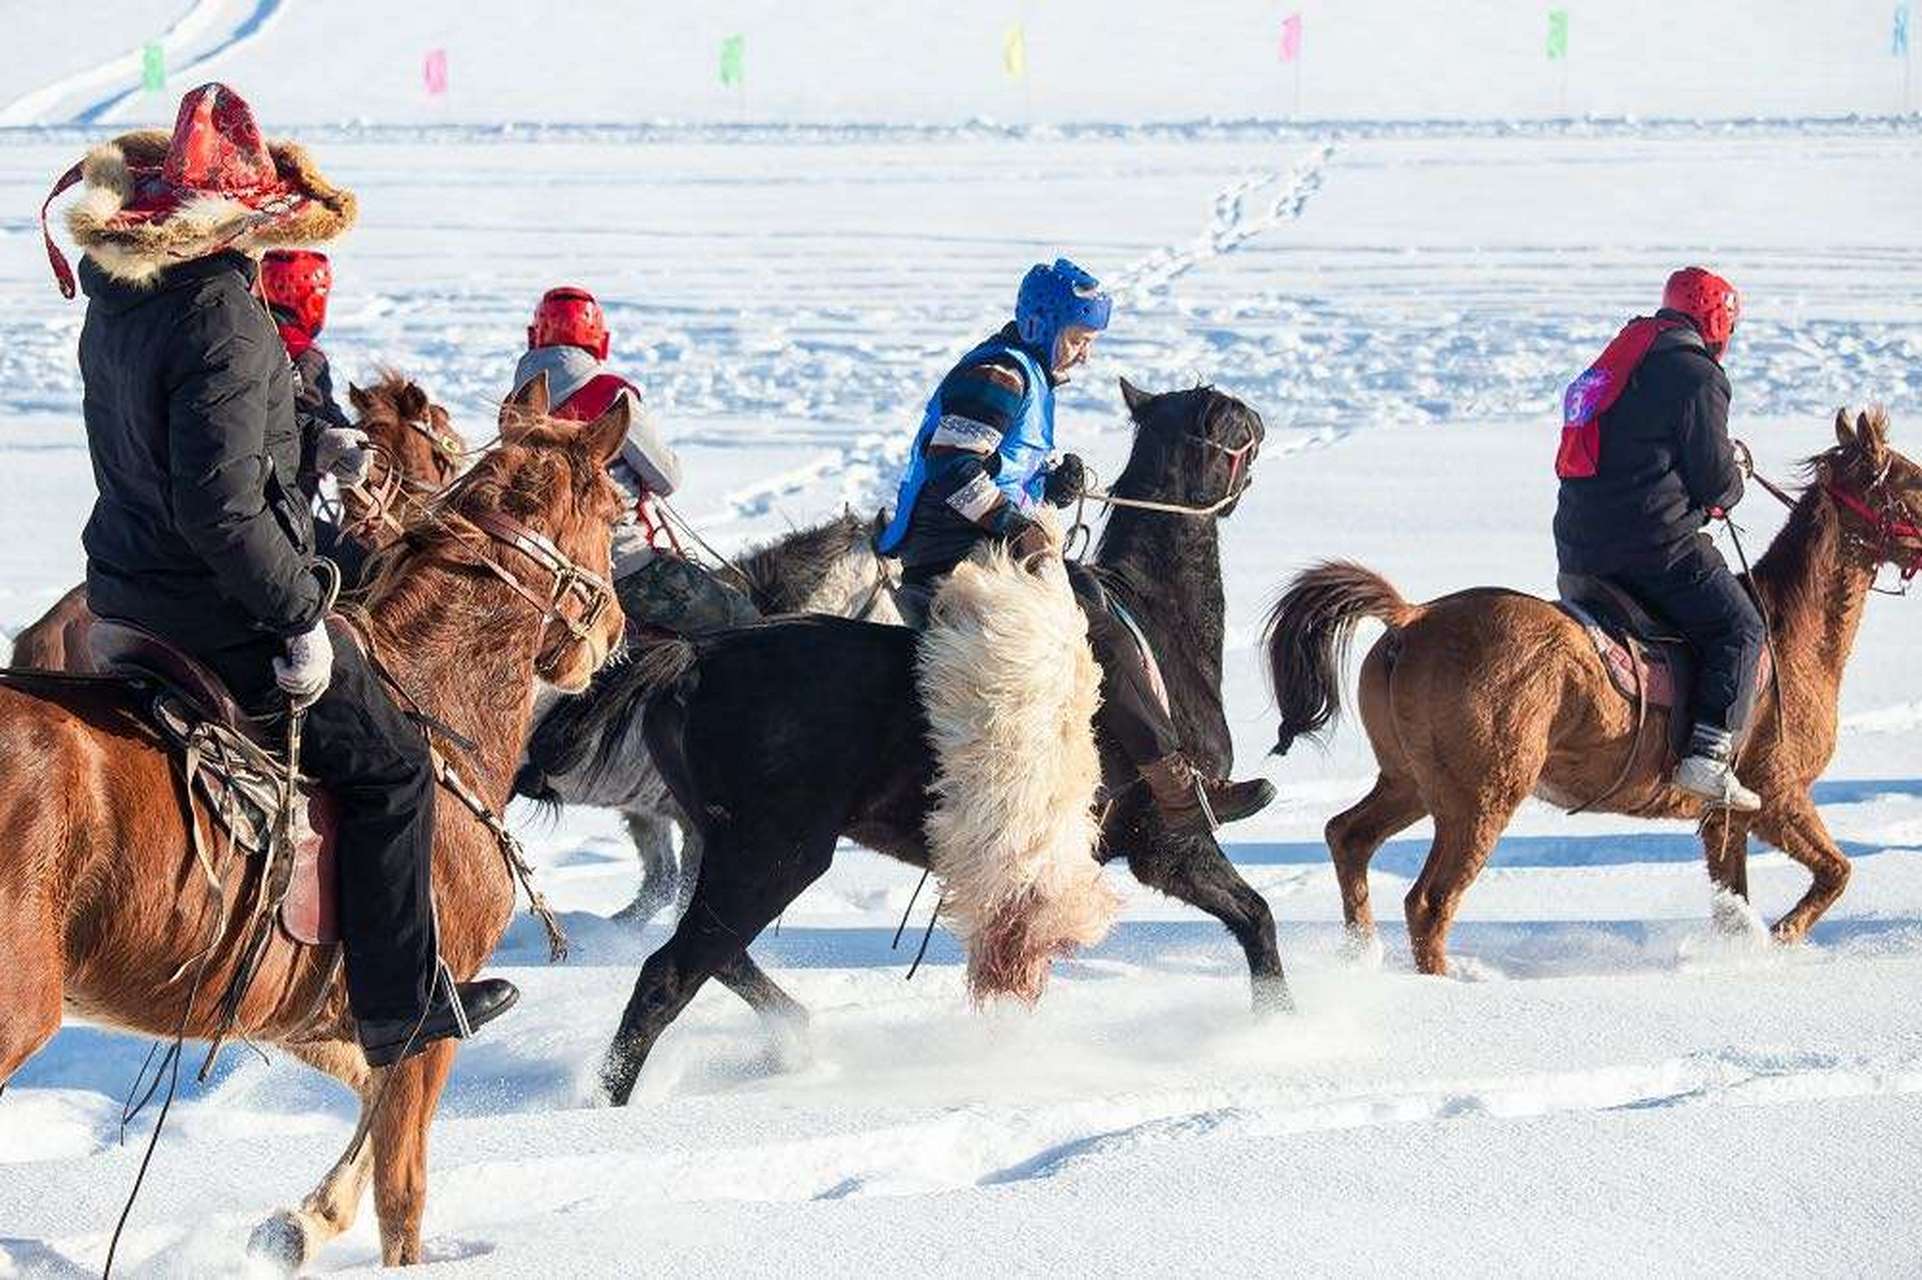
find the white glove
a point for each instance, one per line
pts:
(341, 452)
(304, 673)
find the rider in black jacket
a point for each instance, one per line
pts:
(1666, 467)
(201, 533)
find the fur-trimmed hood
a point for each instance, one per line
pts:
(135, 245)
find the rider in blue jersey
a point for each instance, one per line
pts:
(979, 469)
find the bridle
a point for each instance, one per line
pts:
(1240, 476)
(566, 581)
(1894, 537)
(390, 496)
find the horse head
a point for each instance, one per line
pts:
(414, 432)
(1878, 490)
(1194, 450)
(536, 512)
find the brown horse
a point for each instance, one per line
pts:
(416, 453)
(1474, 701)
(104, 909)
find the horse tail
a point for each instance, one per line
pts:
(1307, 638)
(586, 731)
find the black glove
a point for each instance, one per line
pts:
(1068, 481)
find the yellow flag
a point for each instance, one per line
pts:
(1014, 52)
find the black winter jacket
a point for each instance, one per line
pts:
(200, 531)
(1665, 460)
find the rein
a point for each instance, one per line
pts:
(1240, 476)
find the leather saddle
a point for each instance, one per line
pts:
(233, 771)
(1647, 659)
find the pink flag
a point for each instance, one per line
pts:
(434, 71)
(1291, 37)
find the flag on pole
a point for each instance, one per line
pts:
(1899, 39)
(734, 60)
(153, 67)
(1291, 37)
(1557, 35)
(433, 72)
(1014, 52)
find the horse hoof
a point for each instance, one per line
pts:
(280, 1242)
(1272, 997)
(1732, 916)
(1362, 949)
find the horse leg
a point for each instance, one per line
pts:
(399, 1139)
(1462, 846)
(1725, 850)
(1356, 833)
(743, 886)
(292, 1237)
(1199, 873)
(32, 980)
(1797, 830)
(785, 1018)
(653, 835)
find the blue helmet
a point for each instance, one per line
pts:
(1052, 298)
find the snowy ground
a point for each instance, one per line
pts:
(1607, 1088)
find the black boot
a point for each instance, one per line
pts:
(386, 1041)
(1190, 802)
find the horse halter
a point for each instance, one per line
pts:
(1890, 523)
(1240, 476)
(567, 582)
(1897, 539)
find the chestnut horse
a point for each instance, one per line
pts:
(1475, 701)
(416, 453)
(104, 909)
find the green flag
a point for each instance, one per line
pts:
(1557, 34)
(734, 60)
(153, 67)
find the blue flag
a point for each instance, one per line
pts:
(1899, 40)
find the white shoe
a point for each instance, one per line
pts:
(1715, 782)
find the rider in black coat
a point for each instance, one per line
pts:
(1666, 467)
(201, 533)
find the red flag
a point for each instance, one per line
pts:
(1291, 37)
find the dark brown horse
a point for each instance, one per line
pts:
(104, 909)
(1475, 701)
(416, 453)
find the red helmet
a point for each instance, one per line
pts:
(1707, 299)
(297, 282)
(569, 317)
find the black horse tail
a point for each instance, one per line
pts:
(1307, 638)
(591, 723)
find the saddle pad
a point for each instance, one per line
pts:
(1631, 669)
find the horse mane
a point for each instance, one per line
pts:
(783, 573)
(1812, 529)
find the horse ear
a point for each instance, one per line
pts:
(1134, 397)
(603, 437)
(359, 399)
(1872, 435)
(529, 402)
(1844, 436)
(412, 402)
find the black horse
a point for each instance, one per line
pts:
(587, 749)
(780, 738)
